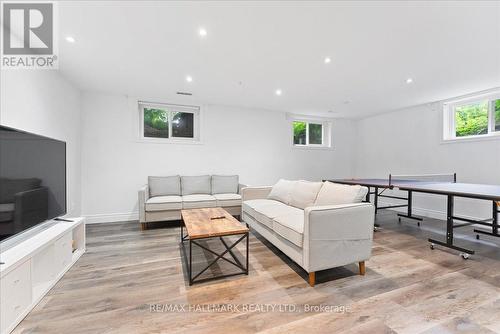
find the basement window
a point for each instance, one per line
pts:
(311, 133)
(169, 122)
(497, 115)
(472, 118)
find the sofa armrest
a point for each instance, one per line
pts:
(336, 235)
(30, 207)
(143, 197)
(249, 193)
(340, 222)
(241, 186)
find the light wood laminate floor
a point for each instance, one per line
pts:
(408, 288)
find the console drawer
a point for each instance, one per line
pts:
(17, 280)
(16, 294)
(63, 251)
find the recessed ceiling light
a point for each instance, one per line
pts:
(278, 92)
(189, 78)
(202, 32)
(409, 80)
(70, 39)
(328, 60)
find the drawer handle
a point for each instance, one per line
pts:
(16, 281)
(17, 307)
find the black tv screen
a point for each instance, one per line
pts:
(32, 180)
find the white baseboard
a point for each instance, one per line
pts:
(111, 217)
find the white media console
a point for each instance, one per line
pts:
(32, 267)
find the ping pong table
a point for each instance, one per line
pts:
(436, 184)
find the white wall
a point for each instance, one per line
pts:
(42, 102)
(107, 163)
(252, 143)
(410, 142)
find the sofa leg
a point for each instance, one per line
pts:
(362, 268)
(143, 226)
(312, 278)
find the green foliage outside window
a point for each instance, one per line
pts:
(472, 119)
(156, 118)
(299, 133)
(301, 130)
(497, 115)
(155, 123)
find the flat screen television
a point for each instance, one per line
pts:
(32, 181)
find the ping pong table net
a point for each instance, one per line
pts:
(395, 179)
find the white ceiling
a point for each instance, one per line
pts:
(146, 49)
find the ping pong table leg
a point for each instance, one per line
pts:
(375, 200)
(409, 213)
(367, 200)
(449, 231)
(494, 223)
(495, 218)
(449, 219)
(410, 203)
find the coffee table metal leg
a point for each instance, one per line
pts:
(247, 251)
(194, 279)
(187, 260)
(183, 237)
(231, 252)
(190, 262)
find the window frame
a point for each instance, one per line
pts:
(170, 109)
(326, 133)
(449, 117)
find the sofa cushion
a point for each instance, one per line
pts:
(7, 212)
(225, 184)
(335, 194)
(290, 227)
(225, 200)
(250, 205)
(10, 187)
(304, 193)
(164, 185)
(264, 212)
(198, 201)
(281, 191)
(256, 209)
(164, 203)
(196, 185)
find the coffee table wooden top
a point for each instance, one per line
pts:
(200, 225)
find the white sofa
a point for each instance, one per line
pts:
(164, 197)
(318, 225)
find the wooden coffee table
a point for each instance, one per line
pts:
(209, 223)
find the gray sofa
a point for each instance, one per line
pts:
(23, 203)
(163, 198)
(318, 225)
